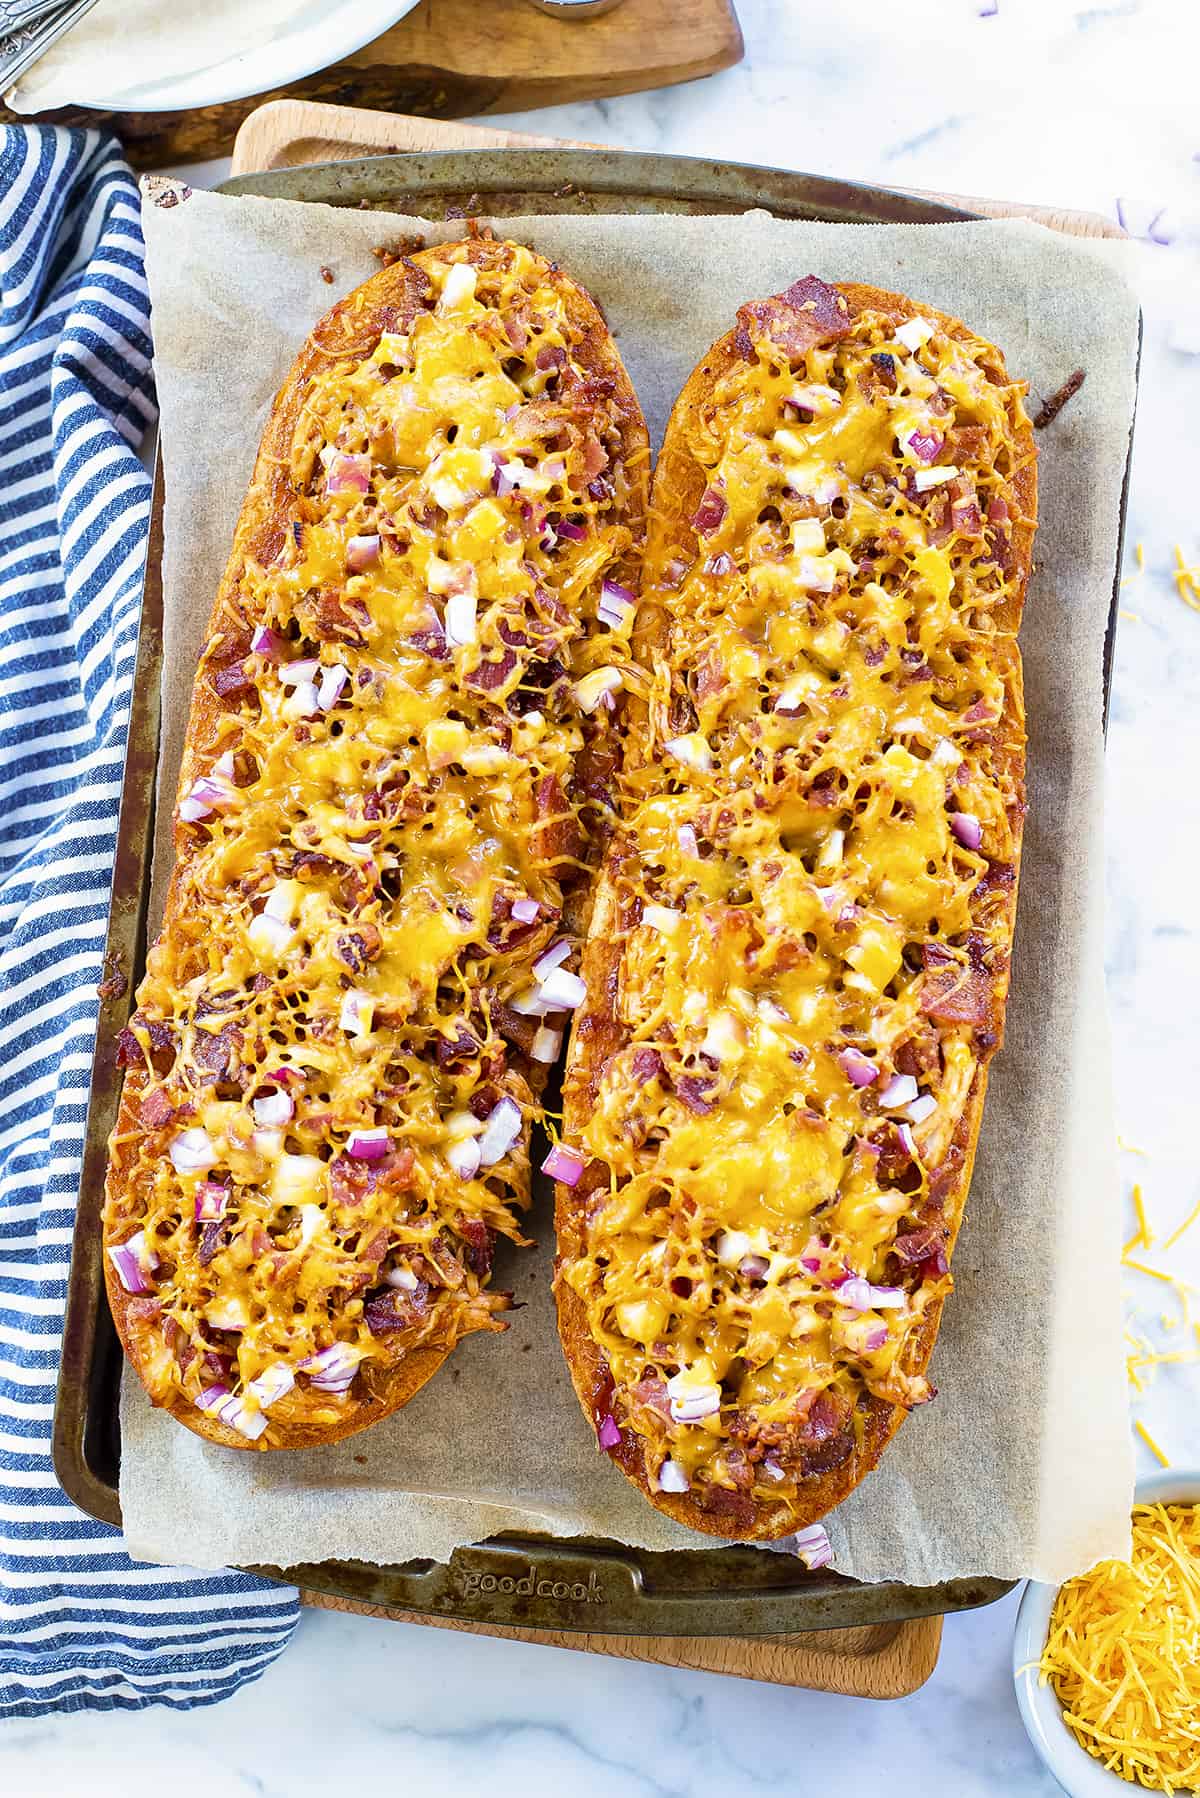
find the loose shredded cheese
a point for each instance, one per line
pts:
(1187, 580)
(1123, 1654)
(1151, 1444)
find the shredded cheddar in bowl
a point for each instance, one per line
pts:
(1123, 1653)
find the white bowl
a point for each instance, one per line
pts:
(1076, 1771)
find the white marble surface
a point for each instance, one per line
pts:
(1048, 101)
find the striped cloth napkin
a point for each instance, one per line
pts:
(81, 1625)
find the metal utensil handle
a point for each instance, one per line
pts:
(25, 39)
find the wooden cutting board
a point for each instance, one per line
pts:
(284, 134)
(879, 1660)
(448, 58)
(886, 1660)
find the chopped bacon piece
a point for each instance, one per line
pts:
(361, 946)
(957, 996)
(490, 675)
(212, 1238)
(646, 1065)
(809, 314)
(480, 1241)
(826, 1437)
(341, 619)
(515, 1028)
(651, 1391)
(735, 1509)
(916, 1245)
(697, 1091)
(393, 1309)
(156, 1109)
(231, 679)
(710, 511)
(556, 837)
(215, 1051)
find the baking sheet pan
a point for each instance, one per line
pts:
(519, 1579)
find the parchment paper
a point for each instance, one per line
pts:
(1023, 1465)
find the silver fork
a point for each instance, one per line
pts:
(29, 27)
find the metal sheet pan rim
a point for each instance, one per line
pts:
(500, 1582)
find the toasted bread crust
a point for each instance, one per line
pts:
(677, 492)
(348, 332)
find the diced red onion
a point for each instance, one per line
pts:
(662, 918)
(305, 700)
(551, 958)
(268, 1142)
(731, 1246)
(966, 829)
(192, 1152)
(298, 674)
(348, 474)
(367, 1145)
(913, 333)
(461, 625)
(813, 1546)
(272, 1383)
(274, 1108)
(546, 1046)
(900, 1090)
(267, 932)
(239, 1416)
(908, 1140)
(609, 1434)
(690, 1404)
(210, 793)
(598, 689)
(692, 750)
(403, 1279)
(771, 1468)
(686, 838)
(362, 553)
(500, 1132)
(923, 1106)
(280, 902)
(858, 1068)
(133, 1263)
(925, 479)
(562, 990)
(525, 911)
(212, 1202)
(923, 444)
(276, 1075)
(563, 1164)
(860, 1295)
(754, 1267)
(464, 1157)
(268, 644)
(333, 1369)
(672, 1477)
(211, 1396)
(357, 1013)
(575, 532)
(617, 604)
(332, 682)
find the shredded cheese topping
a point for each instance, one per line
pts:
(342, 1032)
(813, 898)
(1123, 1654)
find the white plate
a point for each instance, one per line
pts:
(1076, 1771)
(202, 55)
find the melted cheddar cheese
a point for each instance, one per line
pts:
(394, 777)
(811, 901)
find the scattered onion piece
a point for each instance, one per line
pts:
(564, 1164)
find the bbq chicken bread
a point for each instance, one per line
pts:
(799, 948)
(396, 773)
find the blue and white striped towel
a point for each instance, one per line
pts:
(81, 1625)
